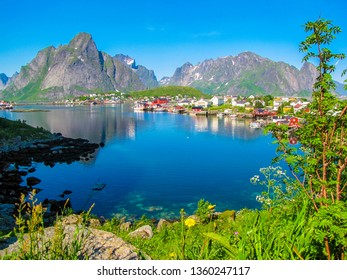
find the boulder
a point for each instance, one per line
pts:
(32, 181)
(7, 221)
(125, 226)
(161, 224)
(144, 232)
(95, 244)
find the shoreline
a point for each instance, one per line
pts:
(16, 161)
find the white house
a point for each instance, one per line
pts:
(203, 103)
(184, 102)
(217, 100)
(242, 103)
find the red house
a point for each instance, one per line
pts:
(159, 101)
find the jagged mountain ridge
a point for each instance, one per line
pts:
(3, 80)
(245, 74)
(75, 69)
(146, 76)
(79, 67)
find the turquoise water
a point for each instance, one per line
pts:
(153, 164)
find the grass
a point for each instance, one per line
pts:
(34, 244)
(9, 130)
(169, 91)
(286, 232)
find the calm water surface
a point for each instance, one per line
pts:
(153, 163)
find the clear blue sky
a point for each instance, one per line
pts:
(163, 35)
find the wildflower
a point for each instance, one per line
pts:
(190, 222)
(172, 255)
(236, 233)
(211, 207)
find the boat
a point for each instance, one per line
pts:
(99, 186)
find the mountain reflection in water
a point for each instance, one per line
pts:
(153, 163)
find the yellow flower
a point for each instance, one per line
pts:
(172, 255)
(211, 207)
(190, 222)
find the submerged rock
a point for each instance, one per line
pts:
(32, 181)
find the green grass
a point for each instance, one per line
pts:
(286, 232)
(169, 91)
(12, 129)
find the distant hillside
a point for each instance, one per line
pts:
(340, 89)
(169, 91)
(245, 74)
(72, 70)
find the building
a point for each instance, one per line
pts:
(203, 103)
(217, 100)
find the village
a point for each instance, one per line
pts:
(261, 109)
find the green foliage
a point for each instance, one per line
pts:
(318, 166)
(12, 129)
(205, 210)
(34, 244)
(169, 91)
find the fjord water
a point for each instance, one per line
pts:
(153, 164)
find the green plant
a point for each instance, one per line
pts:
(318, 166)
(33, 244)
(205, 210)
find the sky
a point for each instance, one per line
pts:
(163, 35)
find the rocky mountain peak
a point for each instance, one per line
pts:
(244, 74)
(3, 80)
(75, 69)
(81, 41)
(127, 60)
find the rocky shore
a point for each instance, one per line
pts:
(16, 162)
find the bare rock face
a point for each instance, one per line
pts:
(245, 74)
(76, 69)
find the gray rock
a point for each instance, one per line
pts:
(7, 221)
(144, 232)
(32, 181)
(161, 224)
(125, 226)
(96, 244)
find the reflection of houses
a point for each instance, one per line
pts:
(201, 123)
(214, 124)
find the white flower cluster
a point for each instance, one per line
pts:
(255, 179)
(263, 200)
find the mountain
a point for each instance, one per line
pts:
(146, 76)
(72, 70)
(340, 89)
(3, 80)
(245, 74)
